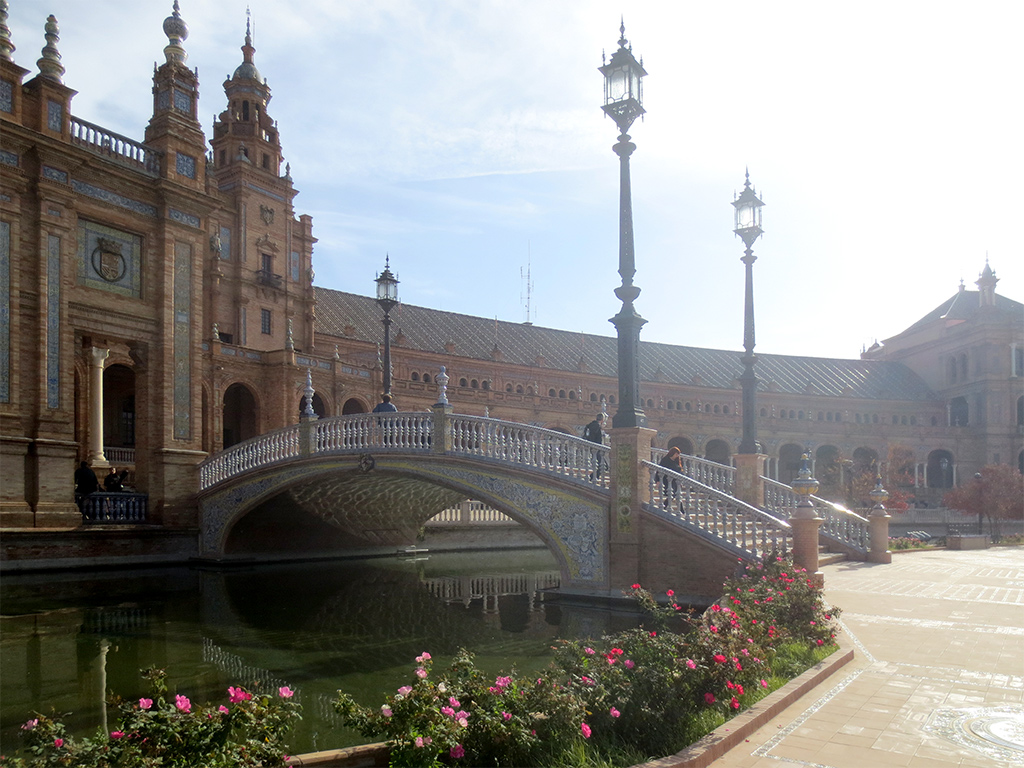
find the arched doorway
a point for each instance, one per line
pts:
(684, 444)
(828, 470)
(240, 417)
(353, 405)
(717, 451)
(119, 413)
(789, 462)
(958, 412)
(940, 469)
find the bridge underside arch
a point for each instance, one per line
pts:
(352, 502)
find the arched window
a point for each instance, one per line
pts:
(764, 412)
(725, 409)
(463, 383)
(717, 409)
(650, 403)
(552, 392)
(485, 384)
(689, 407)
(414, 376)
(958, 412)
(474, 384)
(519, 389)
(828, 416)
(593, 397)
(800, 415)
(671, 405)
(245, 110)
(508, 387)
(426, 378)
(529, 390)
(611, 399)
(572, 394)
(561, 393)
(679, 406)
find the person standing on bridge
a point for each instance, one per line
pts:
(672, 460)
(595, 434)
(386, 425)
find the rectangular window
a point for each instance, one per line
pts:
(295, 266)
(265, 326)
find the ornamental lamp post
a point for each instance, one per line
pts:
(387, 298)
(748, 227)
(623, 97)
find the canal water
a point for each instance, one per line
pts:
(66, 639)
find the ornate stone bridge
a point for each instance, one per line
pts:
(370, 481)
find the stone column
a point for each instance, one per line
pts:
(749, 486)
(441, 439)
(878, 525)
(805, 522)
(629, 490)
(97, 356)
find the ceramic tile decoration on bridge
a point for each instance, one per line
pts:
(405, 467)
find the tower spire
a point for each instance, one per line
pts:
(6, 46)
(177, 32)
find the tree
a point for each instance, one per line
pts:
(997, 493)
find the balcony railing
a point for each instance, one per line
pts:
(115, 146)
(269, 279)
(114, 508)
(119, 456)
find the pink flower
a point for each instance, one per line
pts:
(739, 689)
(145, 703)
(236, 695)
(614, 712)
(58, 743)
(629, 663)
(586, 730)
(503, 682)
(182, 703)
(764, 683)
(691, 664)
(457, 751)
(419, 741)
(448, 711)
(734, 703)
(223, 710)
(709, 698)
(506, 716)
(29, 725)
(588, 651)
(117, 734)
(405, 690)
(423, 657)
(636, 586)
(285, 692)
(421, 672)
(720, 658)
(670, 592)
(386, 711)
(463, 722)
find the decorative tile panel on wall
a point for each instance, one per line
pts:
(182, 341)
(53, 322)
(113, 198)
(5, 312)
(109, 259)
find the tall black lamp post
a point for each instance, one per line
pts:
(387, 297)
(623, 97)
(748, 227)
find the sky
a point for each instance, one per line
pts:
(464, 140)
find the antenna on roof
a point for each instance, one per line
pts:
(527, 281)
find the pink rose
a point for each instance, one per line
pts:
(182, 703)
(709, 698)
(285, 692)
(117, 734)
(614, 712)
(223, 710)
(586, 730)
(58, 743)
(145, 703)
(457, 751)
(691, 664)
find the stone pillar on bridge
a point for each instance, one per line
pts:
(749, 486)
(805, 522)
(878, 525)
(629, 490)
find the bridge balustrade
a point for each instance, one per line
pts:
(838, 523)
(258, 452)
(100, 507)
(715, 514)
(363, 432)
(535, 447)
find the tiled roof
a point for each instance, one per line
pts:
(429, 330)
(964, 305)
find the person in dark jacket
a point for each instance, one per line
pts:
(112, 482)
(595, 434)
(85, 482)
(673, 460)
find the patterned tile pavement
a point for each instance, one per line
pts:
(938, 678)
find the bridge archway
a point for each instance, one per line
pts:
(378, 503)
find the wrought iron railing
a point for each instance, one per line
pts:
(115, 146)
(715, 514)
(839, 524)
(103, 507)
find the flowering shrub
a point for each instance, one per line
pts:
(166, 731)
(651, 690)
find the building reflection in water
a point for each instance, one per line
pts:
(316, 627)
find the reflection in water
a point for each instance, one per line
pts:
(315, 627)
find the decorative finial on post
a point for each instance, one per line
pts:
(307, 396)
(442, 387)
(177, 32)
(805, 486)
(7, 47)
(337, 354)
(879, 496)
(49, 65)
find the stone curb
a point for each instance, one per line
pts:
(698, 755)
(702, 753)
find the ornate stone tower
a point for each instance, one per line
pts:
(261, 272)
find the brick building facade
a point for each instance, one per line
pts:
(158, 305)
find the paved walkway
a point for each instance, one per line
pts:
(938, 677)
